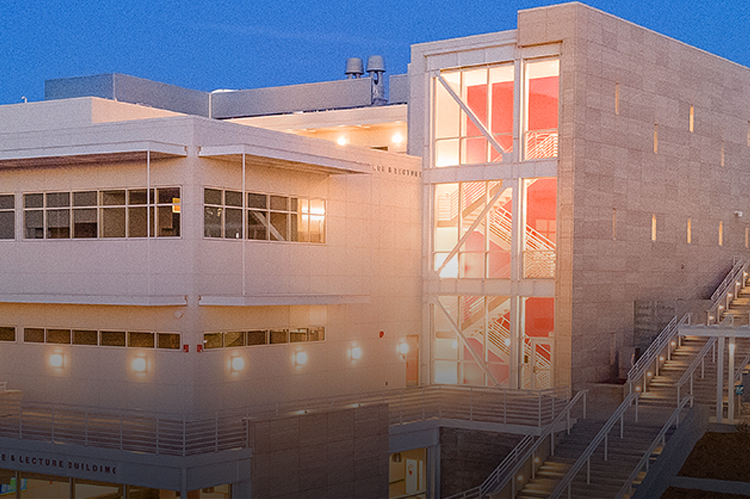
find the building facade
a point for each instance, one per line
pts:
(232, 294)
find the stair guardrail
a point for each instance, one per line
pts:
(657, 353)
(627, 488)
(727, 290)
(500, 478)
(602, 436)
(688, 374)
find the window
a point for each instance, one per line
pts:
(541, 96)
(540, 228)
(270, 217)
(482, 253)
(101, 214)
(262, 337)
(7, 216)
(92, 337)
(7, 333)
(691, 121)
(690, 231)
(462, 131)
(653, 227)
(222, 214)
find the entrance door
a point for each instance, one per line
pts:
(412, 360)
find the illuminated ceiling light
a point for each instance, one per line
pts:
(238, 364)
(649, 374)
(661, 358)
(638, 388)
(341, 140)
(536, 460)
(454, 344)
(397, 138)
(300, 359)
(519, 478)
(355, 353)
(507, 342)
(675, 344)
(139, 364)
(56, 360)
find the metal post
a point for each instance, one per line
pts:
(720, 381)
(606, 445)
(730, 381)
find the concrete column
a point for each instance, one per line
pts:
(730, 381)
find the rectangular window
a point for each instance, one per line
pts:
(7, 333)
(141, 340)
(170, 341)
(33, 335)
(653, 227)
(257, 338)
(234, 339)
(476, 128)
(483, 253)
(100, 214)
(7, 216)
(112, 338)
(85, 337)
(691, 124)
(721, 233)
(540, 228)
(690, 231)
(213, 340)
(59, 336)
(656, 138)
(541, 103)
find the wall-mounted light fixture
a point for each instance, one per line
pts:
(355, 353)
(56, 360)
(300, 359)
(139, 365)
(403, 349)
(237, 364)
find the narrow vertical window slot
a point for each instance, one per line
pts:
(748, 134)
(617, 97)
(721, 233)
(656, 138)
(653, 227)
(692, 118)
(722, 153)
(690, 231)
(614, 224)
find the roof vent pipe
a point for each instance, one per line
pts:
(354, 68)
(376, 68)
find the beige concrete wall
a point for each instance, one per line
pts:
(608, 164)
(372, 252)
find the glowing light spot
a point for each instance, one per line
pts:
(139, 365)
(56, 360)
(238, 364)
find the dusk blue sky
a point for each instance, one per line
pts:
(231, 44)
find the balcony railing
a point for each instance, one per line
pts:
(167, 434)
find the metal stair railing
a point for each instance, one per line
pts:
(499, 478)
(524, 450)
(665, 343)
(627, 488)
(734, 281)
(688, 374)
(602, 436)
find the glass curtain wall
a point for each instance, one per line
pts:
(488, 339)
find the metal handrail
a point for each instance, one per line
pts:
(740, 265)
(174, 434)
(585, 458)
(688, 374)
(722, 297)
(627, 487)
(478, 491)
(654, 351)
(502, 477)
(738, 372)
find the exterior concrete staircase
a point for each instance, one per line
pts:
(606, 476)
